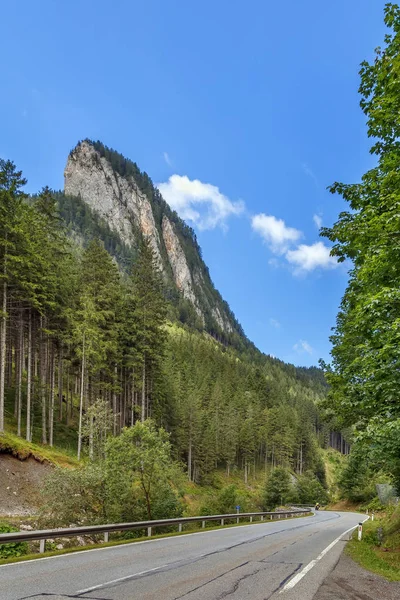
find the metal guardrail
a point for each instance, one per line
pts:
(43, 535)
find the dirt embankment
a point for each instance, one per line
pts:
(20, 484)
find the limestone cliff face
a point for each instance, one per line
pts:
(120, 193)
(117, 199)
(178, 262)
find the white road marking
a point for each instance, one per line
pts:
(312, 564)
(108, 583)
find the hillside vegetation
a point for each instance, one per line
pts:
(95, 361)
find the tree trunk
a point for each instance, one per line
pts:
(60, 383)
(52, 393)
(81, 399)
(144, 391)
(114, 402)
(20, 370)
(91, 427)
(29, 380)
(3, 331)
(133, 399)
(43, 382)
(67, 396)
(190, 459)
(301, 458)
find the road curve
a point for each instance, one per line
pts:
(280, 559)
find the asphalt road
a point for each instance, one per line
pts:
(281, 559)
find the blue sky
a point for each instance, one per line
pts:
(243, 111)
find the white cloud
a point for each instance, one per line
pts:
(307, 258)
(310, 173)
(303, 346)
(275, 232)
(318, 221)
(274, 323)
(167, 159)
(201, 203)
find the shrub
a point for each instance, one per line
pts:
(10, 550)
(277, 489)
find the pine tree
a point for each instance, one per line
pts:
(149, 314)
(11, 182)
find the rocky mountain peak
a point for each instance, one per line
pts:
(126, 199)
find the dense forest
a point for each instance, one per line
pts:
(78, 330)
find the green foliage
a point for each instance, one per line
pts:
(364, 376)
(227, 500)
(277, 489)
(355, 480)
(75, 496)
(374, 505)
(140, 473)
(97, 427)
(310, 490)
(136, 481)
(11, 550)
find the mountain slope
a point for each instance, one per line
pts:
(121, 195)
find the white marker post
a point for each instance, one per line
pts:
(359, 532)
(372, 517)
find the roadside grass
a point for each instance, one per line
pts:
(382, 559)
(120, 542)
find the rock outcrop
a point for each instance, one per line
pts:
(114, 188)
(117, 199)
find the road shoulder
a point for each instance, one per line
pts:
(349, 581)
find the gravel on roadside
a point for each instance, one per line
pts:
(349, 581)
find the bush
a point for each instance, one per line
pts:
(310, 489)
(10, 550)
(74, 496)
(375, 505)
(278, 488)
(227, 500)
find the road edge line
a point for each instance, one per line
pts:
(295, 580)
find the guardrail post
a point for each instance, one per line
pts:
(105, 537)
(180, 527)
(279, 516)
(262, 517)
(222, 521)
(149, 532)
(203, 524)
(42, 545)
(251, 519)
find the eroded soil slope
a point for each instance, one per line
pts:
(20, 484)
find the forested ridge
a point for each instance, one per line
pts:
(86, 341)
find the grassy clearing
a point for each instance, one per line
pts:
(21, 449)
(380, 557)
(35, 556)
